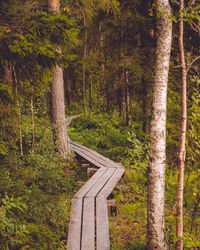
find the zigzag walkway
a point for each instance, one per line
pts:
(89, 228)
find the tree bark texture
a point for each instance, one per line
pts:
(121, 96)
(8, 75)
(61, 137)
(128, 109)
(182, 151)
(156, 170)
(103, 85)
(83, 69)
(101, 42)
(32, 121)
(68, 81)
(91, 97)
(18, 112)
(20, 123)
(145, 106)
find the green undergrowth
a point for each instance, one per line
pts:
(36, 192)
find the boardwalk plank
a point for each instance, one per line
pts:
(74, 233)
(90, 183)
(88, 228)
(103, 158)
(95, 158)
(102, 226)
(88, 158)
(110, 185)
(100, 183)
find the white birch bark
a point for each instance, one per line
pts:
(156, 171)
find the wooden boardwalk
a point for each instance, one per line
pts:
(89, 228)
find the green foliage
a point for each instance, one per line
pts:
(104, 134)
(193, 141)
(30, 39)
(36, 191)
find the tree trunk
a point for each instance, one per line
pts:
(61, 137)
(182, 152)
(101, 48)
(122, 79)
(20, 123)
(32, 121)
(103, 88)
(91, 97)
(68, 82)
(156, 170)
(8, 74)
(121, 96)
(83, 69)
(145, 106)
(19, 113)
(128, 110)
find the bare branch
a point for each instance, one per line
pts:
(190, 65)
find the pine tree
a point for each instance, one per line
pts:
(58, 101)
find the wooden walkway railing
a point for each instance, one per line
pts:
(89, 228)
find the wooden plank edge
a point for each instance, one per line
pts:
(102, 225)
(74, 232)
(88, 226)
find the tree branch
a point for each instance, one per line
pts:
(190, 65)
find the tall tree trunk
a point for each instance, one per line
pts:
(91, 97)
(145, 106)
(156, 170)
(182, 152)
(122, 86)
(68, 81)
(32, 121)
(84, 58)
(101, 48)
(103, 85)
(128, 109)
(61, 137)
(121, 96)
(8, 74)
(20, 123)
(19, 113)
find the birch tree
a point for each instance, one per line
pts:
(181, 153)
(156, 170)
(58, 101)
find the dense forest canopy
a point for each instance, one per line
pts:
(106, 52)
